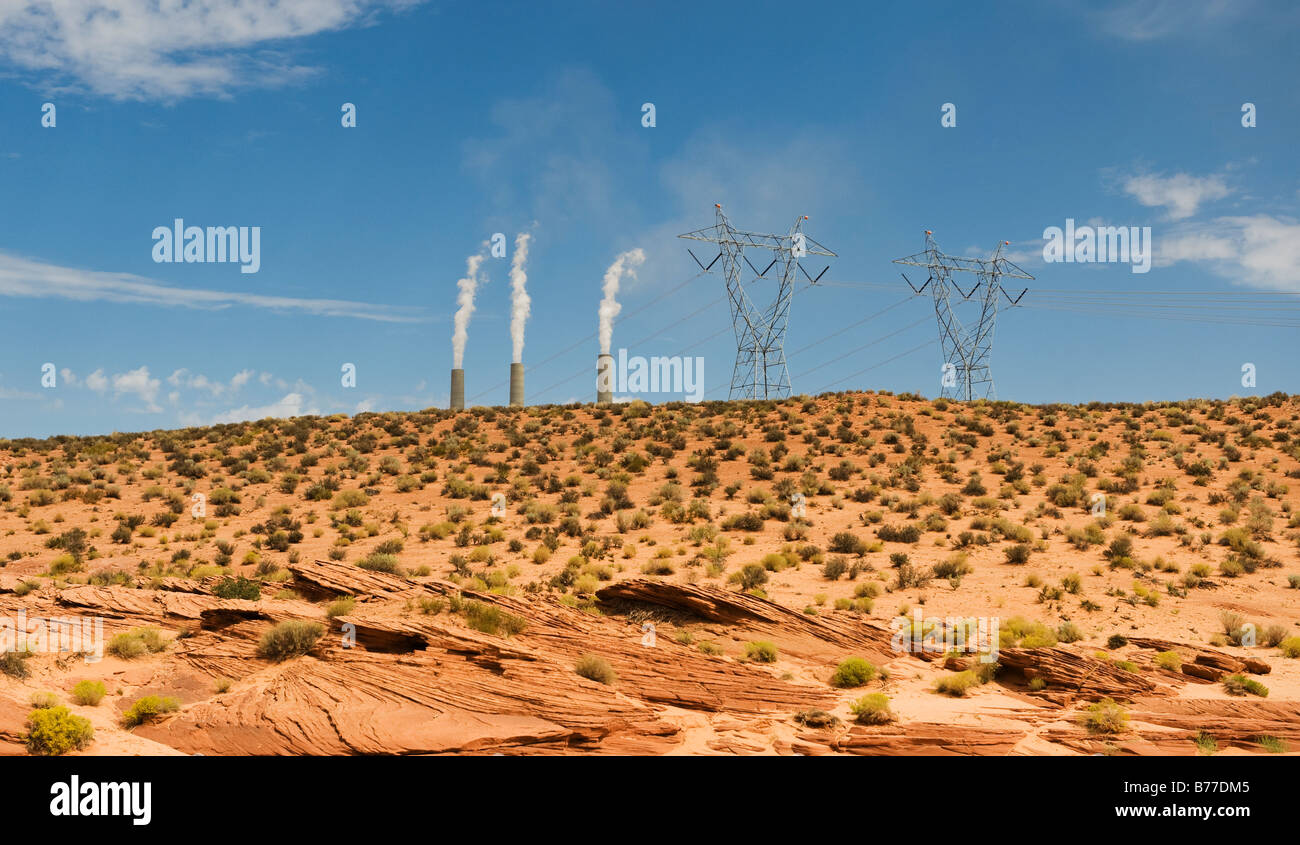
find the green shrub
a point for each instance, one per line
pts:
(290, 638)
(237, 588)
(88, 692)
(148, 708)
(341, 607)
(379, 562)
(1104, 717)
(854, 672)
(958, 684)
(57, 730)
(1169, 660)
(1069, 633)
(1290, 647)
(490, 619)
(42, 700)
(761, 651)
(1241, 685)
(129, 645)
(14, 664)
(596, 669)
(872, 709)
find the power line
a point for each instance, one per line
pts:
(916, 348)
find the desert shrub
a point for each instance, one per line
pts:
(898, 534)
(41, 700)
(761, 651)
(13, 664)
(1241, 685)
(341, 607)
(237, 588)
(954, 566)
(750, 576)
(743, 522)
(1169, 660)
(1290, 647)
(137, 642)
(148, 708)
(957, 684)
(1104, 717)
(290, 638)
(816, 719)
(1069, 633)
(88, 692)
(854, 672)
(596, 669)
(1115, 641)
(847, 543)
(52, 731)
(1017, 554)
(380, 562)
(872, 709)
(490, 619)
(834, 568)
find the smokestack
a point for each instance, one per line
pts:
(604, 378)
(458, 390)
(517, 385)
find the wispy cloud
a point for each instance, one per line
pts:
(1151, 20)
(1258, 251)
(146, 50)
(290, 405)
(26, 277)
(1180, 194)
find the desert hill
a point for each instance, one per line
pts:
(720, 577)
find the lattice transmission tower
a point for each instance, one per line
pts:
(967, 346)
(760, 371)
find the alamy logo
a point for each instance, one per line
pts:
(91, 798)
(637, 375)
(82, 635)
(1098, 245)
(179, 243)
(932, 635)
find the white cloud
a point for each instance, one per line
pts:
(30, 278)
(97, 382)
(290, 405)
(140, 384)
(1259, 251)
(197, 381)
(169, 50)
(1151, 20)
(1181, 194)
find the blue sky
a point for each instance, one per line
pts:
(476, 118)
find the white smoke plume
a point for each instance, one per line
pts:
(465, 299)
(624, 265)
(520, 302)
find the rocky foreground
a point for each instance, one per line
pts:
(399, 674)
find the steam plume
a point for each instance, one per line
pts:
(520, 302)
(465, 299)
(625, 264)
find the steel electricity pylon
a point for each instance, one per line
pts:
(966, 347)
(760, 371)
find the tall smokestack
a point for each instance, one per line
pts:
(604, 378)
(458, 390)
(517, 385)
